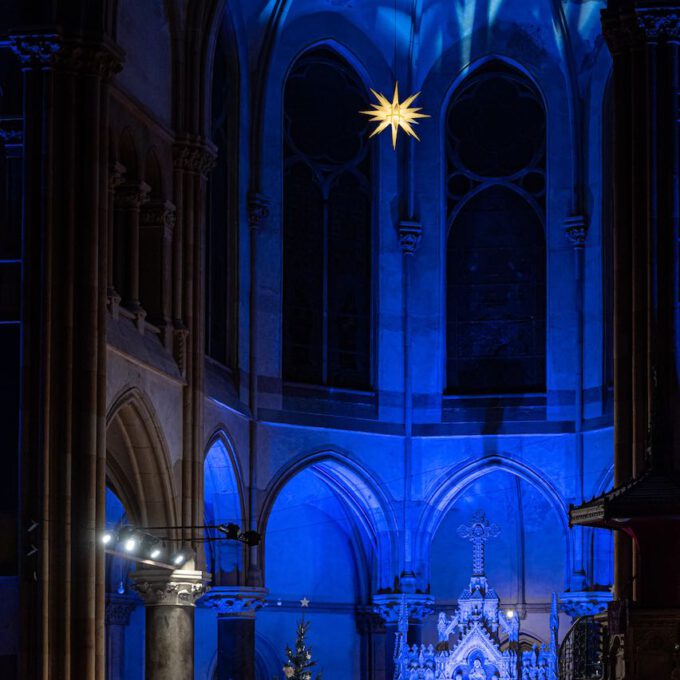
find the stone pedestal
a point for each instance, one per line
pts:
(236, 608)
(170, 599)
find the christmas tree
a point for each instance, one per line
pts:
(299, 662)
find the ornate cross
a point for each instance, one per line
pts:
(478, 533)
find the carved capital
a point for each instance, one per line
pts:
(52, 50)
(584, 603)
(36, 49)
(235, 601)
(258, 210)
(132, 195)
(118, 609)
(194, 155)
(158, 214)
(576, 230)
(388, 606)
(179, 588)
(12, 130)
(625, 30)
(410, 234)
(116, 175)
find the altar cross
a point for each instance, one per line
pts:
(478, 533)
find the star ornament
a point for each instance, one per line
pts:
(395, 114)
(304, 602)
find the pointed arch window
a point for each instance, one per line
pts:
(326, 226)
(496, 254)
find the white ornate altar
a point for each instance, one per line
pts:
(479, 641)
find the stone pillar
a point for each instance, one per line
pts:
(118, 610)
(644, 624)
(65, 112)
(170, 598)
(156, 225)
(130, 196)
(371, 628)
(388, 606)
(193, 159)
(236, 608)
(116, 178)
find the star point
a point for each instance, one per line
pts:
(394, 114)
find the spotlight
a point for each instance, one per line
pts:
(107, 538)
(130, 544)
(155, 553)
(510, 613)
(179, 559)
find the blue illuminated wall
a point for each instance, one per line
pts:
(359, 485)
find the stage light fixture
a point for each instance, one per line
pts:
(179, 559)
(107, 537)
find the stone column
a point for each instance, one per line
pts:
(65, 105)
(170, 599)
(156, 225)
(371, 628)
(118, 610)
(388, 606)
(644, 624)
(130, 196)
(236, 608)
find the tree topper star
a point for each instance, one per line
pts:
(304, 602)
(395, 114)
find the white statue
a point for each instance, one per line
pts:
(477, 672)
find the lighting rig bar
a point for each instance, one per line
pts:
(138, 544)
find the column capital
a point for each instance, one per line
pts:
(388, 606)
(584, 602)
(194, 155)
(258, 210)
(410, 233)
(576, 230)
(627, 29)
(132, 195)
(158, 214)
(116, 175)
(118, 609)
(52, 50)
(235, 601)
(181, 587)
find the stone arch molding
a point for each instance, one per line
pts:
(137, 461)
(362, 494)
(446, 490)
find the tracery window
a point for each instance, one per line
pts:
(496, 260)
(326, 226)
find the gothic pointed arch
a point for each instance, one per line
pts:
(223, 504)
(137, 461)
(367, 506)
(327, 225)
(495, 142)
(451, 485)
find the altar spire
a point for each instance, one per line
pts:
(478, 532)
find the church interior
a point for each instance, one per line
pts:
(340, 337)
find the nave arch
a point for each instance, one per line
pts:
(137, 462)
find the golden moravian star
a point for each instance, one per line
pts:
(395, 114)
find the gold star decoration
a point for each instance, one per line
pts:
(395, 114)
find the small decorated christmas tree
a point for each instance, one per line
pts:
(299, 663)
